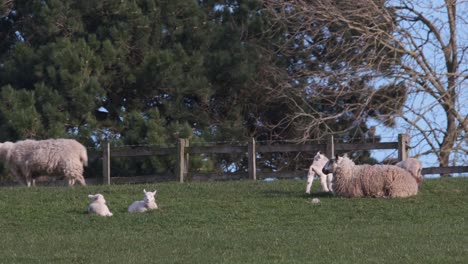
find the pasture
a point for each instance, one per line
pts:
(234, 222)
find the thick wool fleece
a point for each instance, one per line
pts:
(352, 180)
(414, 166)
(28, 159)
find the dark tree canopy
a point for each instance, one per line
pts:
(149, 72)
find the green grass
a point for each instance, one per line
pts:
(234, 222)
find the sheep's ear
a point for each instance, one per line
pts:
(155, 191)
(91, 196)
(144, 190)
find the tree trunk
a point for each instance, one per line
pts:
(450, 138)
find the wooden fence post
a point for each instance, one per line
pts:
(186, 161)
(330, 152)
(403, 142)
(252, 160)
(105, 163)
(180, 170)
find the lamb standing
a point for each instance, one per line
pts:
(28, 159)
(148, 203)
(414, 166)
(350, 180)
(316, 169)
(98, 205)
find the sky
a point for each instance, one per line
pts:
(434, 116)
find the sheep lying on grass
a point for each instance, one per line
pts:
(98, 205)
(316, 169)
(350, 180)
(146, 204)
(414, 166)
(28, 159)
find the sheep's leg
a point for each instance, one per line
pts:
(323, 182)
(18, 176)
(17, 173)
(28, 178)
(71, 182)
(310, 180)
(323, 178)
(329, 181)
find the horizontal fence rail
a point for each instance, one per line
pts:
(183, 151)
(444, 170)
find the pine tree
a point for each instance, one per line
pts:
(147, 72)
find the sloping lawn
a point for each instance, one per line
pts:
(234, 222)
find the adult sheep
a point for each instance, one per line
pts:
(28, 159)
(316, 169)
(414, 166)
(350, 180)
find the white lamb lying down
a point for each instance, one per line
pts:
(148, 203)
(98, 205)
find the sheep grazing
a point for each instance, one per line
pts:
(146, 204)
(98, 205)
(316, 169)
(28, 159)
(350, 180)
(414, 166)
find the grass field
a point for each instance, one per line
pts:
(234, 222)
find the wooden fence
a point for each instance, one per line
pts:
(183, 151)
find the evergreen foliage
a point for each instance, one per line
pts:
(146, 72)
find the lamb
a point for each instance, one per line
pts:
(28, 159)
(414, 166)
(316, 169)
(98, 205)
(350, 180)
(148, 203)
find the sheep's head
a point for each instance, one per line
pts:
(149, 197)
(318, 156)
(97, 198)
(5, 148)
(331, 165)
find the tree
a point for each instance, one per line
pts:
(131, 72)
(392, 44)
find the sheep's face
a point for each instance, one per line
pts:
(97, 198)
(318, 156)
(5, 148)
(331, 165)
(149, 196)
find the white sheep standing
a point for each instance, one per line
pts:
(414, 166)
(316, 169)
(98, 205)
(350, 180)
(28, 159)
(148, 203)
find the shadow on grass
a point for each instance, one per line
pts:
(284, 193)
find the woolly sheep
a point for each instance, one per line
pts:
(98, 205)
(316, 169)
(28, 159)
(350, 180)
(146, 204)
(414, 166)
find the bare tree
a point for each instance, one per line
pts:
(418, 45)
